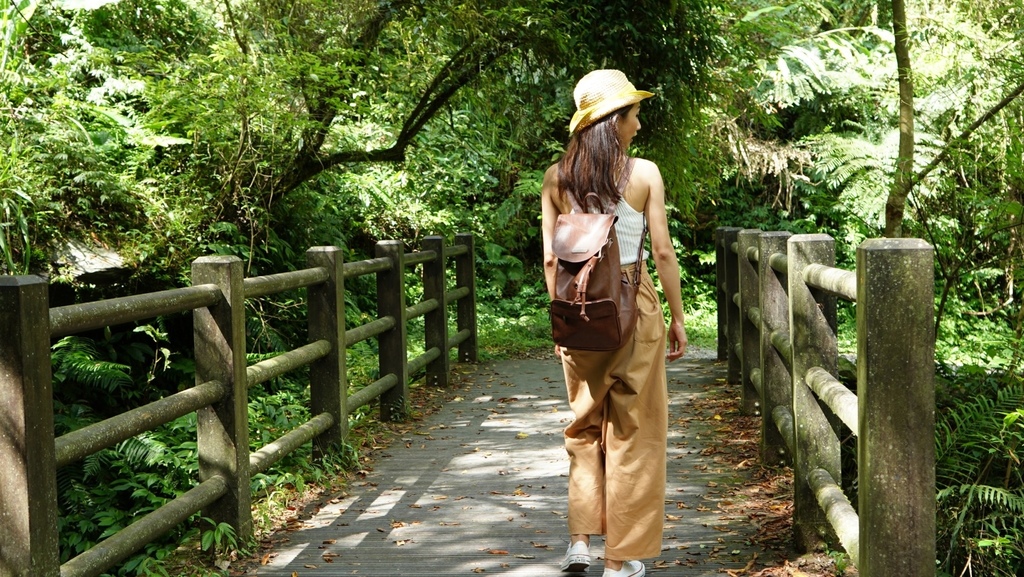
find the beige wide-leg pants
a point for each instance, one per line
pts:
(617, 442)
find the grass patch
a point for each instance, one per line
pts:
(504, 337)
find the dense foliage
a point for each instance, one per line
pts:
(169, 129)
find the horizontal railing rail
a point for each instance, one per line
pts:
(777, 328)
(220, 395)
(71, 319)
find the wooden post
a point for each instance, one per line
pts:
(812, 323)
(223, 429)
(465, 276)
(392, 355)
(435, 322)
(734, 316)
(28, 468)
(328, 385)
(750, 339)
(776, 381)
(896, 397)
(724, 265)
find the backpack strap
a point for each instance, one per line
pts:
(640, 253)
(575, 205)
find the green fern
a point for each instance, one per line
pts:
(144, 450)
(969, 436)
(97, 464)
(842, 159)
(996, 498)
(818, 66)
(75, 360)
(981, 496)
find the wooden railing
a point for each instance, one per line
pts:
(777, 326)
(30, 455)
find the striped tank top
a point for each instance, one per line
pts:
(628, 229)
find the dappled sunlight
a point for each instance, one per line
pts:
(481, 487)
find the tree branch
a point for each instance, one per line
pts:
(465, 67)
(460, 70)
(903, 181)
(242, 44)
(966, 134)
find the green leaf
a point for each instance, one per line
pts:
(85, 4)
(755, 14)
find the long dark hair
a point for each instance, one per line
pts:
(592, 161)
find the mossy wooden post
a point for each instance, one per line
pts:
(896, 397)
(392, 355)
(28, 468)
(328, 386)
(812, 314)
(776, 352)
(435, 322)
(728, 312)
(223, 429)
(465, 276)
(749, 331)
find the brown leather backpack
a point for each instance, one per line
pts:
(594, 307)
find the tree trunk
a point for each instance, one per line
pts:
(904, 180)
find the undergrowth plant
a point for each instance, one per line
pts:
(107, 491)
(980, 483)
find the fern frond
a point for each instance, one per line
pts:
(968, 436)
(106, 375)
(75, 359)
(798, 74)
(840, 159)
(93, 465)
(998, 498)
(143, 450)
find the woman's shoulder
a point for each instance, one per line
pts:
(644, 177)
(549, 190)
(645, 168)
(551, 175)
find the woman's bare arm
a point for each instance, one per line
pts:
(549, 214)
(664, 255)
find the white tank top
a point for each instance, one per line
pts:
(628, 229)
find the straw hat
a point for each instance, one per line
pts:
(600, 93)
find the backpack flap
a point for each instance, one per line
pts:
(579, 236)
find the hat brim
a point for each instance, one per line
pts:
(587, 116)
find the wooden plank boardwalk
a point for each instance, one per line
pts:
(480, 488)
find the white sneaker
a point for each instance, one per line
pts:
(577, 558)
(629, 569)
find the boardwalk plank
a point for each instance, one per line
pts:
(480, 488)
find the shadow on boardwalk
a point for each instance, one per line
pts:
(479, 487)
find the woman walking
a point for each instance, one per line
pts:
(617, 442)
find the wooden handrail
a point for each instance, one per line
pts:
(72, 319)
(223, 381)
(777, 329)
